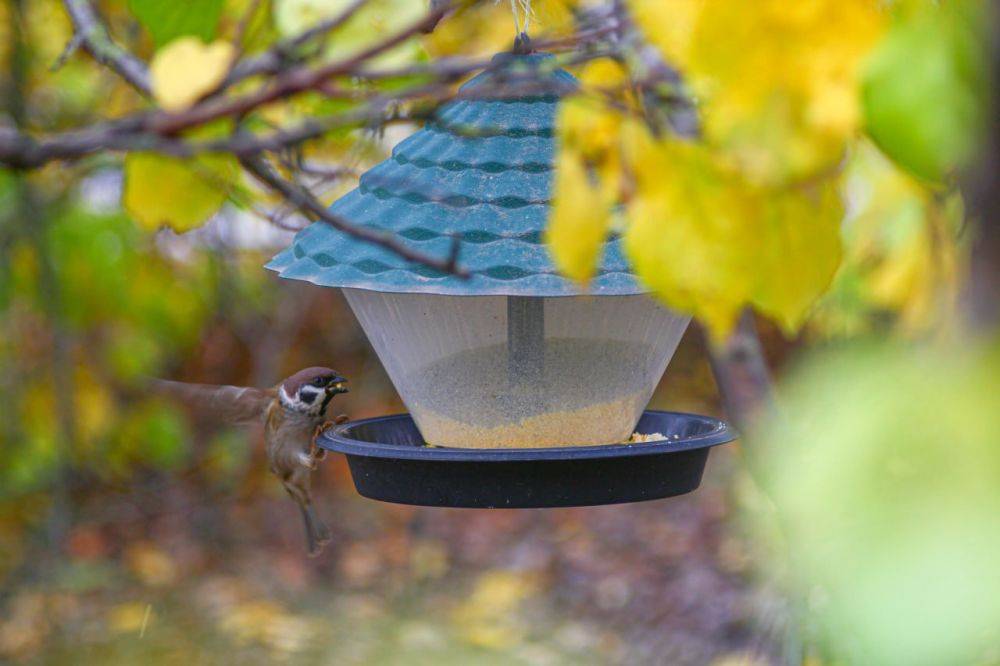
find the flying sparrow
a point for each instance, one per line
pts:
(293, 413)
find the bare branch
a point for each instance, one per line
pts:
(292, 82)
(742, 375)
(96, 39)
(285, 75)
(315, 210)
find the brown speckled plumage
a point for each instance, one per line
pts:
(292, 412)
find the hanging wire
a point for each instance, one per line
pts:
(521, 8)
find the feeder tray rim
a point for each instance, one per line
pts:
(436, 290)
(336, 439)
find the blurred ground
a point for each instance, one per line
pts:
(205, 565)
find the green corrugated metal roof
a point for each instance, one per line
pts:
(481, 169)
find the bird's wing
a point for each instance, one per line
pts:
(224, 404)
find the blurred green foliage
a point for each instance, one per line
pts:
(925, 88)
(166, 21)
(884, 472)
(95, 286)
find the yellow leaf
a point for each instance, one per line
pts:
(186, 69)
(478, 29)
(484, 28)
(778, 81)
(667, 25)
(709, 242)
(691, 234)
(578, 224)
(181, 194)
(586, 122)
(552, 17)
(588, 172)
(799, 250)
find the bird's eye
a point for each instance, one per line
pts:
(307, 396)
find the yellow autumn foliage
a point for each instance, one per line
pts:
(778, 82)
(186, 69)
(485, 28)
(690, 234)
(748, 212)
(902, 256)
(169, 191)
(579, 221)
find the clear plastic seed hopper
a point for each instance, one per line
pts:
(521, 371)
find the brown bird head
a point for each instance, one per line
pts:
(309, 391)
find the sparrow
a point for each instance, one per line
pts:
(293, 414)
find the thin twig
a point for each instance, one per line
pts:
(244, 25)
(277, 57)
(742, 375)
(21, 150)
(75, 42)
(315, 210)
(96, 39)
(152, 130)
(290, 83)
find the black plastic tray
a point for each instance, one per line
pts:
(390, 462)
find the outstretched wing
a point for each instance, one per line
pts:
(224, 404)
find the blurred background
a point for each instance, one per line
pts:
(130, 532)
(860, 525)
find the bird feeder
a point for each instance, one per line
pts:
(515, 356)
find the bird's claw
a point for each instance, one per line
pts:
(317, 454)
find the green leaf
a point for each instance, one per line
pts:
(370, 24)
(167, 20)
(925, 88)
(883, 474)
(182, 194)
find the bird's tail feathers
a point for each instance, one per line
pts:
(317, 533)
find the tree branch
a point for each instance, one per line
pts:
(21, 150)
(313, 209)
(94, 35)
(286, 76)
(742, 375)
(292, 82)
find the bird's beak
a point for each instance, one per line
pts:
(337, 386)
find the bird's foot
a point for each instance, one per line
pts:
(316, 453)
